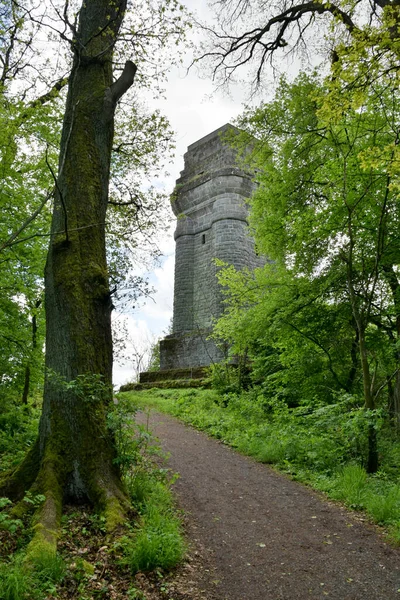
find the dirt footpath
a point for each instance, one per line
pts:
(264, 537)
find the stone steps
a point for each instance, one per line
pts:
(188, 377)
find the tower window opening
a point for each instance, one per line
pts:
(203, 238)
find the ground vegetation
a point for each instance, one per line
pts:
(325, 446)
(89, 562)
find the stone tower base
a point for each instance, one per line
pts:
(186, 349)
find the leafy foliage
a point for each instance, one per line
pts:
(321, 317)
(18, 430)
(28, 143)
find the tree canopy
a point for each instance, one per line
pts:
(326, 213)
(35, 59)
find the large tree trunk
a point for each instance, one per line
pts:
(75, 458)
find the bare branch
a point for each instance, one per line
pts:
(52, 93)
(231, 51)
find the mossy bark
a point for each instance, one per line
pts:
(75, 452)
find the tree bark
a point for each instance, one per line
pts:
(361, 321)
(77, 295)
(76, 450)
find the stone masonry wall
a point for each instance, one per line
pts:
(209, 203)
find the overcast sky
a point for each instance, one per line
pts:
(194, 109)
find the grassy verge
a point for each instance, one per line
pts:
(88, 563)
(155, 540)
(323, 446)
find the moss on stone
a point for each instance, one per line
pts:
(167, 384)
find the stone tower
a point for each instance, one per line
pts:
(209, 203)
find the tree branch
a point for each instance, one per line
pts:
(271, 36)
(321, 347)
(124, 82)
(13, 236)
(52, 93)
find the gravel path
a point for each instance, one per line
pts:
(266, 537)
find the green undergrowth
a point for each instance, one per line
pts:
(152, 538)
(18, 430)
(325, 446)
(155, 540)
(19, 581)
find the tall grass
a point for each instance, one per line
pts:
(158, 543)
(14, 582)
(351, 486)
(19, 580)
(157, 540)
(384, 506)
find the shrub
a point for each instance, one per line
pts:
(351, 485)
(157, 544)
(385, 508)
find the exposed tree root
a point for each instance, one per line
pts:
(49, 478)
(46, 531)
(46, 520)
(114, 508)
